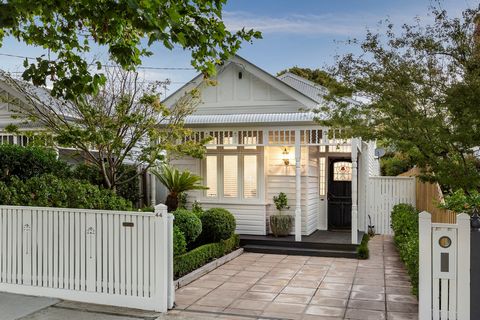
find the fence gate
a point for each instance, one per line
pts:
(444, 268)
(385, 192)
(93, 256)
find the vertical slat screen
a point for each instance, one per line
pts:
(383, 193)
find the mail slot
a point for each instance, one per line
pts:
(128, 224)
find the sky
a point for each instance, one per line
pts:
(305, 33)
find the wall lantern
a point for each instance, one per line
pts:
(286, 159)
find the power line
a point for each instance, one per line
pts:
(139, 67)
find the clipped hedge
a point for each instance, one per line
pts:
(179, 242)
(217, 224)
(405, 227)
(50, 191)
(200, 256)
(189, 223)
(27, 162)
(362, 251)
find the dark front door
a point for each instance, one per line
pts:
(339, 193)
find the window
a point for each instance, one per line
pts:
(250, 176)
(230, 176)
(342, 171)
(211, 176)
(321, 176)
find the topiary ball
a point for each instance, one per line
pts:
(217, 224)
(179, 243)
(189, 223)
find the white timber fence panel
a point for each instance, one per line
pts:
(119, 258)
(444, 268)
(382, 194)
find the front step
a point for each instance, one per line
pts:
(298, 251)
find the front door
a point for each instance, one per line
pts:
(339, 193)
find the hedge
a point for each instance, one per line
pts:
(217, 224)
(50, 191)
(362, 251)
(200, 256)
(189, 223)
(405, 227)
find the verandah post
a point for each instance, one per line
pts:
(354, 212)
(298, 188)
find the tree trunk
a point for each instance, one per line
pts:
(172, 202)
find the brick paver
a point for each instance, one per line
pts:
(269, 286)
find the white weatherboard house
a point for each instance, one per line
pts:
(265, 141)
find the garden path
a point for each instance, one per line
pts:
(263, 286)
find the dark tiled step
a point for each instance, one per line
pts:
(279, 249)
(245, 240)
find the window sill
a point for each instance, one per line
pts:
(232, 202)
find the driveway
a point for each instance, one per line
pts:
(298, 287)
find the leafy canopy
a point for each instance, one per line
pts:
(68, 29)
(422, 87)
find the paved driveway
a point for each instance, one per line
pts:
(297, 287)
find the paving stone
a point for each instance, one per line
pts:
(344, 294)
(280, 307)
(293, 298)
(260, 296)
(299, 290)
(249, 304)
(52, 313)
(367, 296)
(15, 306)
(325, 311)
(402, 307)
(329, 302)
(402, 316)
(365, 314)
(367, 305)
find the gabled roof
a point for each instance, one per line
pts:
(252, 119)
(261, 74)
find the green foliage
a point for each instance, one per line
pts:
(362, 251)
(50, 191)
(177, 182)
(28, 162)
(217, 224)
(281, 202)
(405, 227)
(322, 78)
(197, 207)
(189, 223)
(179, 242)
(182, 200)
(395, 163)
(281, 225)
(460, 202)
(129, 190)
(200, 256)
(69, 29)
(422, 90)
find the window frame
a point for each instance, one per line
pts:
(240, 152)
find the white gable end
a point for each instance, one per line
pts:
(239, 91)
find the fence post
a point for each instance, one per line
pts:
(161, 258)
(425, 265)
(463, 266)
(170, 285)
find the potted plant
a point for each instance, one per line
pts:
(281, 224)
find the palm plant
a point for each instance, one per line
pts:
(177, 182)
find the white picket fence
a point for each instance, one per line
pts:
(95, 256)
(382, 194)
(444, 269)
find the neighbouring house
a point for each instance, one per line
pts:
(265, 141)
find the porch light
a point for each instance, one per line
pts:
(286, 158)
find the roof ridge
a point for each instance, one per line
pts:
(304, 80)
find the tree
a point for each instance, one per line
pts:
(322, 78)
(176, 183)
(421, 85)
(68, 29)
(123, 123)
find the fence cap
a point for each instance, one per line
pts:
(160, 209)
(425, 215)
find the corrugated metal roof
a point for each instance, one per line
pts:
(251, 118)
(307, 87)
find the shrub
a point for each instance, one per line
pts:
(460, 202)
(129, 190)
(362, 251)
(27, 162)
(197, 208)
(189, 223)
(405, 227)
(179, 242)
(50, 191)
(217, 224)
(198, 257)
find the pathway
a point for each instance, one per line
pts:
(298, 287)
